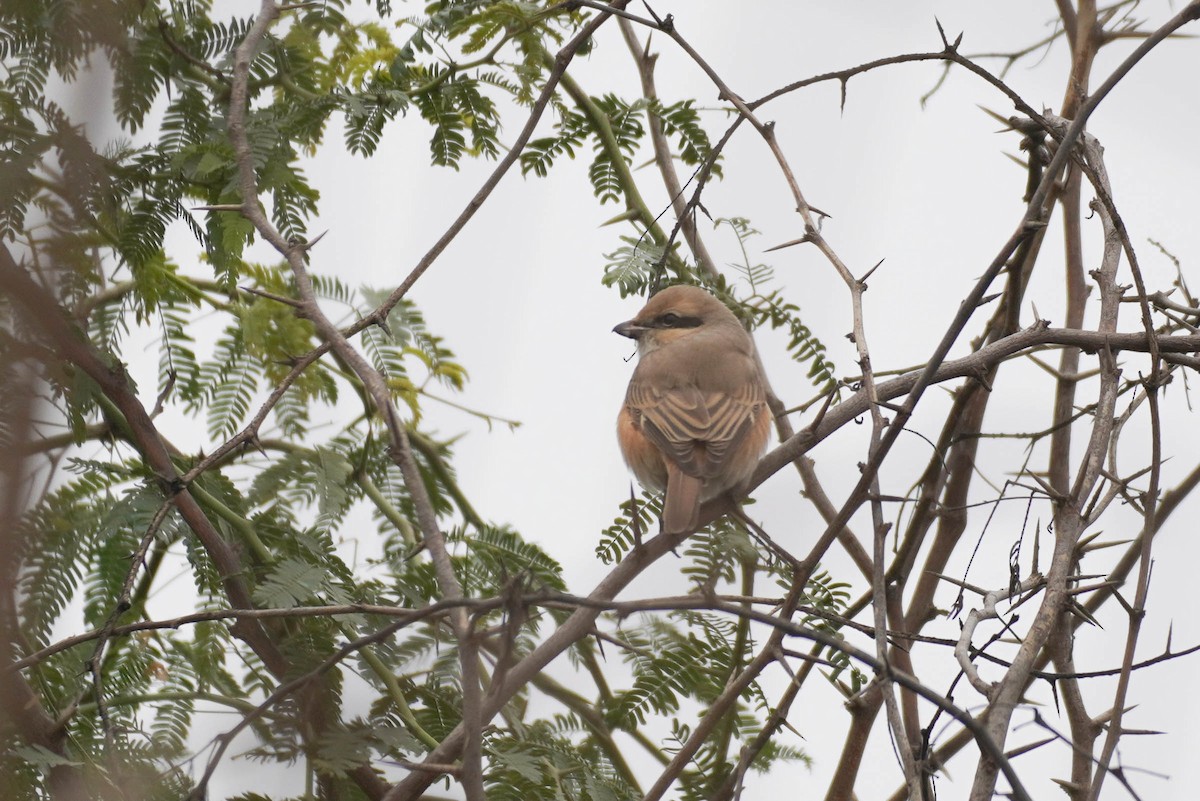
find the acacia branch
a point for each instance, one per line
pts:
(73, 348)
(1069, 521)
(856, 288)
(646, 553)
(137, 558)
(23, 716)
(971, 366)
(376, 387)
(1114, 239)
(663, 159)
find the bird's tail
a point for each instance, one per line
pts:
(681, 509)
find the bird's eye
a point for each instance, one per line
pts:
(670, 319)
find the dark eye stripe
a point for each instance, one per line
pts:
(673, 320)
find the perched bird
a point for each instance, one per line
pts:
(695, 419)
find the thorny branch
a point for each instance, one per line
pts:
(1075, 154)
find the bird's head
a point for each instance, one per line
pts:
(673, 314)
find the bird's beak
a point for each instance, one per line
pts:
(630, 329)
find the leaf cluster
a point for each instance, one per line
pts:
(303, 475)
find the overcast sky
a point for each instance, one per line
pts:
(930, 190)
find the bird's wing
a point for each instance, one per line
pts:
(697, 430)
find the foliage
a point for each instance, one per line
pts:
(343, 613)
(296, 473)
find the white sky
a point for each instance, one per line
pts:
(518, 297)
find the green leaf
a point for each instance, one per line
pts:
(631, 268)
(332, 472)
(291, 583)
(42, 757)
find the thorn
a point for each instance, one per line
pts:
(1022, 163)
(628, 214)
(863, 280)
(792, 243)
(792, 729)
(383, 326)
(310, 243)
(1069, 787)
(1093, 587)
(941, 32)
(981, 377)
(1025, 749)
(295, 304)
(1086, 576)
(986, 299)
(657, 20)
(219, 207)
(1102, 545)
(1124, 604)
(1045, 485)
(959, 583)
(258, 446)
(1000, 118)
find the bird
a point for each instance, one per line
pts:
(695, 419)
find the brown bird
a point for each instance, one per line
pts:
(695, 419)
